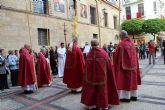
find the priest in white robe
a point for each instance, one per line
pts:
(61, 51)
(86, 49)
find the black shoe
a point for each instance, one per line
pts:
(93, 109)
(108, 108)
(28, 92)
(125, 100)
(14, 85)
(39, 86)
(25, 92)
(7, 88)
(75, 92)
(133, 98)
(2, 89)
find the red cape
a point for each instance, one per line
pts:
(99, 86)
(126, 66)
(26, 69)
(43, 70)
(74, 67)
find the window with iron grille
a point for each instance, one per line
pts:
(127, 1)
(155, 7)
(128, 10)
(93, 15)
(40, 6)
(43, 37)
(105, 19)
(95, 36)
(141, 9)
(115, 22)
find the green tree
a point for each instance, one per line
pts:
(133, 26)
(153, 26)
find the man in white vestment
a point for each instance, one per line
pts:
(86, 49)
(61, 51)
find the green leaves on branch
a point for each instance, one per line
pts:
(133, 26)
(138, 26)
(153, 26)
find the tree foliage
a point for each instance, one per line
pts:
(133, 26)
(153, 26)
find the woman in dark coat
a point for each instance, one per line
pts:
(53, 60)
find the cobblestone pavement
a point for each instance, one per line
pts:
(58, 97)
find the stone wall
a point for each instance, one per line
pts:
(14, 30)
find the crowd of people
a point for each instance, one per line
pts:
(8, 64)
(148, 50)
(105, 76)
(19, 65)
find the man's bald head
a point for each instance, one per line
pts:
(27, 46)
(94, 43)
(123, 33)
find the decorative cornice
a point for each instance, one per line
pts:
(111, 4)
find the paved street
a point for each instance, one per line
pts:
(58, 97)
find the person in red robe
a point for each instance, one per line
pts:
(26, 72)
(99, 85)
(43, 69)
(127, 70)
(74, 67)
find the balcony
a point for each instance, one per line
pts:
(128, 2)
(133, 15)
(128, 16)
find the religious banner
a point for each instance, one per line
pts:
(71, 9)
(38, 6)
(83, 11)
(59, 5)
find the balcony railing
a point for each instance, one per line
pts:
(133, 15)
(125, 2)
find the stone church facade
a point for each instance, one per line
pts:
(42, 22)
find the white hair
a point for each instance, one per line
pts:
(123, 33)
